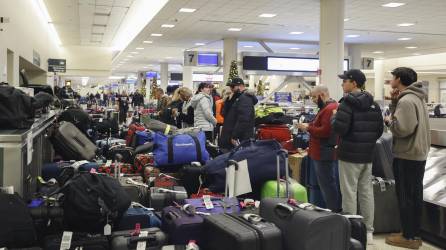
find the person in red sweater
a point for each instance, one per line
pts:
(322, 149)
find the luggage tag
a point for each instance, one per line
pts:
(107, 228)
(108, 163)
(66, 240)
(207, 202)
(142, 244)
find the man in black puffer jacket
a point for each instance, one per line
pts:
(359, 123)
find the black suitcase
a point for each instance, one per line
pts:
(163, 197)
(128, 240)
(247, 232)
(387, 215)
(306, 227)
(383, 159)
(358, 228)
(356, 245)
(78, 117)
(78, 241)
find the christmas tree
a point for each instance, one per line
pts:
(260, 88)
(233, 72)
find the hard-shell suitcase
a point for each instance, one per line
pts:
(182, 226)
(78, 241)
(383, 159)
(153, 238)
(278, 188)
(247, 232)
(163, 197)
(387, 215)
(142, 215)
(72, 144)
(305, 226)
(280, 133)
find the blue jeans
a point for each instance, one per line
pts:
(328, 179)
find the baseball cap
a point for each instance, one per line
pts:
(236, 81)
(355, 75)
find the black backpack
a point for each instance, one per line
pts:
(17, 228)
(16, 108)
(91, 201)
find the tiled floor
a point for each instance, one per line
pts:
(380, 244)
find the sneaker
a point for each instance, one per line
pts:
(400, 241)
(370, 239)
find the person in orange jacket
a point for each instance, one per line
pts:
(225, 94)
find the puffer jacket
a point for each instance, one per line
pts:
(359, 123)
(203, 115)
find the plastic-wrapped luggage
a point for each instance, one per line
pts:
(383, 159)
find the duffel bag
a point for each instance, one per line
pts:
(93, 201)
(16, 108)
(142, 137)
(159, 126)
(262, 164)
(180, 149)
(78, 117)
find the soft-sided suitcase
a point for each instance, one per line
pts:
(280, 133)
(142, 215)
(129, 239)
(305, 226)
(72, 144)
(247, 232)
(78, 241)
(182, 226)
(278, 188)
(163, 197)
(383, 159)
(387, 215)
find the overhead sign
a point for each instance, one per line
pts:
(282, 97)
(287, 64)
(57, 65)
(190, 58)
(200, 58)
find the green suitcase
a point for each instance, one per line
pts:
(288, 188)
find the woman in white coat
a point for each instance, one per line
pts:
(203, 116)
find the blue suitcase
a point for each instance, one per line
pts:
(145, 217)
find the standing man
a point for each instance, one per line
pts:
(409, 124)
(322, 147)
(239, 115)
(359, 123)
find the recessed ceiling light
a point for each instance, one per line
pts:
(139, 48)
(267, 15)
(406, 24)
(248, 46)
(167, 25)
(392, 5)
(147, 41)
(353, 36)
(234, 29)
(346, 19)
(134, 52)
(411, 47)
(378, 52)
(200, 44)
(404, 39)
(295, 48)
(296, 32)
(187, 10)
(156, 34)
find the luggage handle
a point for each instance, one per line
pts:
(284, 153)
(283, 210)
(252, 218)
(135, 239)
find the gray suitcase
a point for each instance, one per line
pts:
(72, 144)
(387, 215)
(163, 197)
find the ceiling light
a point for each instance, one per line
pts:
(248, 46)
(296, 32)
(167, 26)
(392, 5)
(147, 41)
(187, 10)
(168, 57)
(411, 47)
(295, 48)
(378, 52)
(139, 48)
(406, 24)
(267, 15)
(404, 39)
(200, 44)
(234, 29)
(353, 36)
(129, 56)
(156, 34)
(346, 19)
(134, 52)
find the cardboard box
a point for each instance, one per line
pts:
(295, 161)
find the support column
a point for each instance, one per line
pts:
(187, 77)
(354, 51)
(229, 55)
(164, 71)
(379, 80)
(331, 52)
(3, 63)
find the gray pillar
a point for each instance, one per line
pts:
(164, 71)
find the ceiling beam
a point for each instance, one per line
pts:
(266, 47)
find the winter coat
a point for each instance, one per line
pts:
(359, 123)
(203, 115)
(239, 119)
(410, 124)
(218, 111)
(322, 138)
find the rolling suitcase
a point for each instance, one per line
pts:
(76, 241)
(182, 225)
(305, 226)
(387, 215)
(383, 159)
(163, 197)
(278, 188)
(247, 232)
(356, 245)
(72, 144)
(153, 238)
(358, 228)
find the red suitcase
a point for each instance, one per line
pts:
(280, 133)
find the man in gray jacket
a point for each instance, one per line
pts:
(203, 116)
(409, 124)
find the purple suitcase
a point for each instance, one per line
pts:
(182, 227)
(221, 205)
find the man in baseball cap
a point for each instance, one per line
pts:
(355, 76)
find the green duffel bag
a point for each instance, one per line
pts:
(263, 111)
(296, 191)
